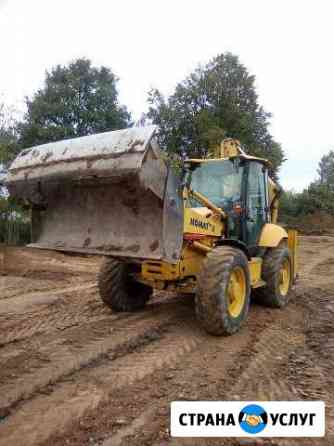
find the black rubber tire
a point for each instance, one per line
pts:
(211, 299)
(118, 289)
(270, 295)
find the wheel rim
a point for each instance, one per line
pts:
(285, 276)
(236, 291)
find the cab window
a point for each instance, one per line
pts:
(219, 181)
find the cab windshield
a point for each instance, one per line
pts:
(219, 181)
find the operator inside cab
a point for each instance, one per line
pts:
(221, 182)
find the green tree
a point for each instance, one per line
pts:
(215, 101)
(317, 198)
(326, 170)
(289, 205)
(14, 222)
(76, 100)
(8, 136)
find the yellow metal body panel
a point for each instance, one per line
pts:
(229, 148)
(189, 264)
(191, 261)
(244, 156)
(293, 248)
(201, 247)
(163, 275)
(255, 270)
(202, 221)
(272, 235)
(273, 199)
(156, 270)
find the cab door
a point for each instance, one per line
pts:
(256, 202)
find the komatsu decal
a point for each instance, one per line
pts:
(201, 224)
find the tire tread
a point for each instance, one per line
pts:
(119, 291)
(211, 309)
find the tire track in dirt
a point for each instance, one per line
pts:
(122, 369)
(138, 423)
(43, 416)
(310, 262)
(235, 350)
(67, 310)
(270, 352)
(78, 348)
(20, 305)
(12, 286)
(320, 342)
(199, 382)
(248, 379)
(70, 311)
(231, 349)
(318, 298)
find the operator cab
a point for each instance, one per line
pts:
(237, 185)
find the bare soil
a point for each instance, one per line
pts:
(74, 373)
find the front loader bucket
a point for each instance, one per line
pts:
(109, 194)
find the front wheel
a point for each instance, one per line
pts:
(223, 291)
(118, 289)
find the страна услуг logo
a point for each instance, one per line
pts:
(253, 419)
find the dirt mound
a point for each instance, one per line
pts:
(319, 223)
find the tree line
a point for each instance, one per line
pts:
(312, 210)
(215, 101)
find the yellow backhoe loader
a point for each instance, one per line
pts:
(209, 229)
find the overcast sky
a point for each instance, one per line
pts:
(288, 45)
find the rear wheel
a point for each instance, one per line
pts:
(223, 291)
(277, 273)
(118, 289)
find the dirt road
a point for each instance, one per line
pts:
(74, 373)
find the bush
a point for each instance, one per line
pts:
(310, 212)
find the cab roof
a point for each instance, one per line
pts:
(245, 157)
